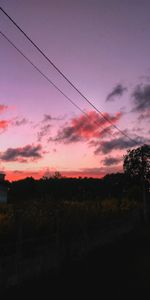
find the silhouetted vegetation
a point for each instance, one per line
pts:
(117, 186)
(73, 201)
(137, 162)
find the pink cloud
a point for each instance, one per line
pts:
(85, 128)
(3, 108)
(4, 124)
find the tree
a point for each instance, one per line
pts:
(137, 164)
(57, 175)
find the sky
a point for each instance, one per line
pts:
(102, 47)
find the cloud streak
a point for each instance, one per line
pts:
(117, 91)
(120, 143)
(84, 128)
(141, 98)
(44, 131)
(145, 115)
(20, 122)
(22, 154)
(109, 161)
(48, 118)
(45, 126)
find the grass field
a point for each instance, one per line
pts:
(121, 269)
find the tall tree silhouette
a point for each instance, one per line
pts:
(137, 164)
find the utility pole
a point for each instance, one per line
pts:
(145, 209)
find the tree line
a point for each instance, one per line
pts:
(131, 184)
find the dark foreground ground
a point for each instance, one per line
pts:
(121, 270)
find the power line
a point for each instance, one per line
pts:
(42, 73)
(64, 76)
(53, 84)
(46, 77)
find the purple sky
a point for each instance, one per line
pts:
(103, 48)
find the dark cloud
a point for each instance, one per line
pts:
(22, 154)
(109, 161)
(145, 78)
(137, 129)
(145, 115)
(118, 90)
(48, 118)
(120, 143)
(68, 135)
(141, 98)
(20, 122)
(44, 131)
(18, 171)
(84, 128)
(45, 126)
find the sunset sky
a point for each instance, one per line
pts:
(103, 48)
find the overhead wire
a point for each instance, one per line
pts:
(47, 78)
(65, 77)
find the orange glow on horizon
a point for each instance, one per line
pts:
(19, 175)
